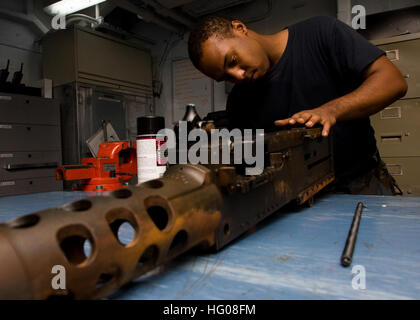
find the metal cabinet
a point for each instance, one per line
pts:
(406, 171)
(30, 144)
(397, 127)
(406, 57)
(397, 131)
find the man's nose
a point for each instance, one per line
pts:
(237, 74)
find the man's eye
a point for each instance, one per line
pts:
(233, 61)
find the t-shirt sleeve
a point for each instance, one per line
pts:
(352, 52)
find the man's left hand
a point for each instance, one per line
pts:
(310, 118)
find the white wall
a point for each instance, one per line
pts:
(162, 38)
(18, 43)
(163, 104)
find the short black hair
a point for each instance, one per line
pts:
(204, 29)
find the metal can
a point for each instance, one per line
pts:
(151, 156)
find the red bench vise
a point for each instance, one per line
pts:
(115, 163)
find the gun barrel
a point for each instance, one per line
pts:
(168, 216)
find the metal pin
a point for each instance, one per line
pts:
(347, 255)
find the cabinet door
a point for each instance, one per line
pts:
(32, 185)
(28, 110)
(21, 165)
(109, 107)
(17, 137)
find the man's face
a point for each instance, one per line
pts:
(237, 59)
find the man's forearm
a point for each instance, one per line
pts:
(383, 85)
(381, 88)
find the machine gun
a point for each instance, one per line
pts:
(191, 205)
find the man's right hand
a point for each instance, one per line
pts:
(310, 118)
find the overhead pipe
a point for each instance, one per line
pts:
(83, 17)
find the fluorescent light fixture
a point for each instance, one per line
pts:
(65, 7)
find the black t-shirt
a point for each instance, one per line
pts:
(324, 59)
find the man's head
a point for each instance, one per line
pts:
(225, 49)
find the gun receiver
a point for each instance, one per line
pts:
(190, 205)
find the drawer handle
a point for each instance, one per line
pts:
(7, 183)
(393, 55)
(391, 113)
(395, 169)
(27, 166)
(108, 98)
(6, 155)
(391, 138)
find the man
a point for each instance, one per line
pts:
(316, 72)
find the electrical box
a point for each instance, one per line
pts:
(83, 55)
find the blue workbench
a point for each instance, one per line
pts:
(291, 255)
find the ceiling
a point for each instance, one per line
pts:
(175, 15)
(199, 8)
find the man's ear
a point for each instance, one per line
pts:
(239, 27)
